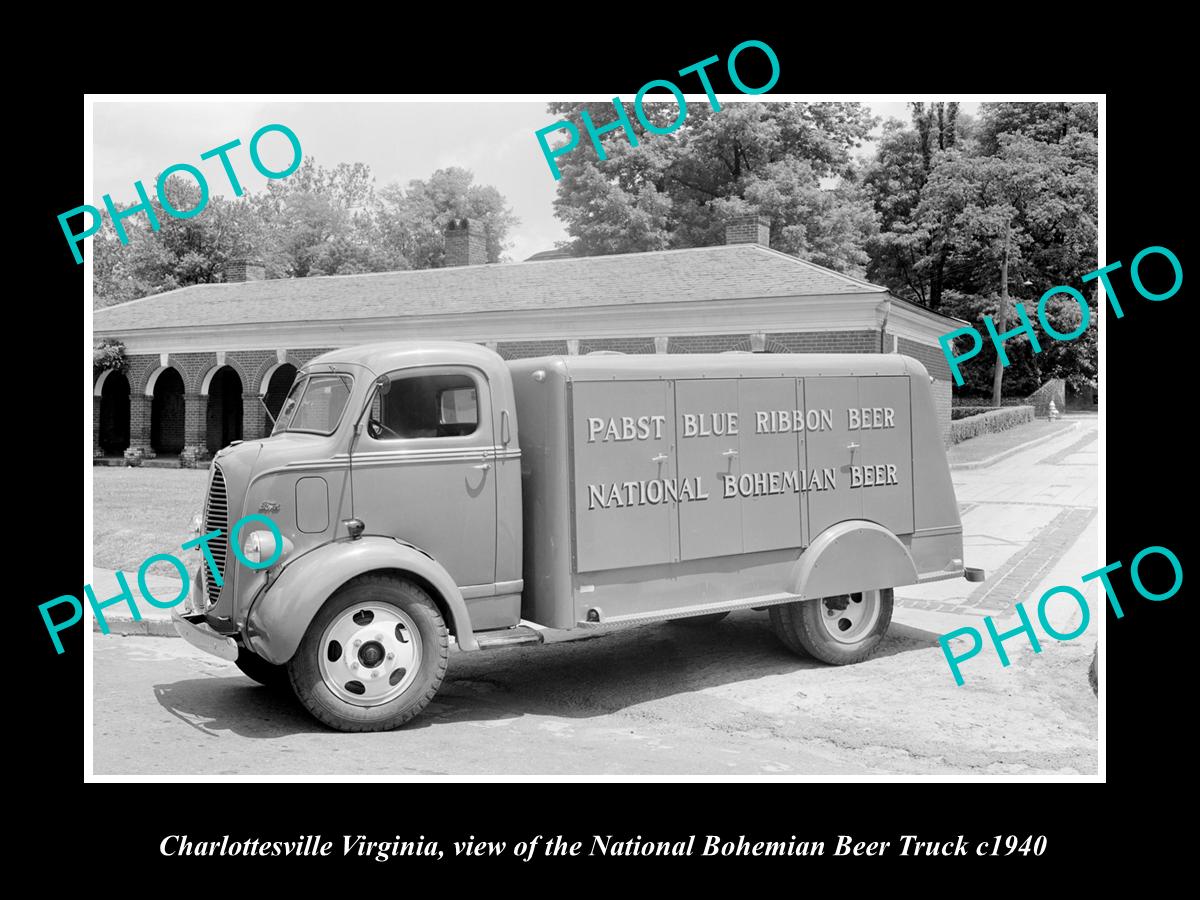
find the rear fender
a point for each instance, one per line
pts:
(852, 556)
(281, 614)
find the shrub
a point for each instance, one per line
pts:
(108, 354)
(962, 412)
(989, 422)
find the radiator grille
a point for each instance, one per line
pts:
(216, 515)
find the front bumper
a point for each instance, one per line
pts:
(188, 619)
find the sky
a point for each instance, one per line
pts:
(400, 141)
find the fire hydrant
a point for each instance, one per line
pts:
(1053, 411)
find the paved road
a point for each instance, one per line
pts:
(663, 699)
(724, 699)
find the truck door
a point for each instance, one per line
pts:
(832, 450)
(424, 468)
(707, 425)
(626, 490)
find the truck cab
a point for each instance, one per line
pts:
(429, 492)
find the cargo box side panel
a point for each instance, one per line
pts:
(832, 451)
(882, 423)
(625, 491)
(542, 415)
(771, 430)
(707, 425)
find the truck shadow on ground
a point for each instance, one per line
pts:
(594, 676)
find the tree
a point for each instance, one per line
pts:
(789, 161)
(951, 195)
(181, 252)
(317, 221)
(909, 255)
(1051, 123)
(412, 220)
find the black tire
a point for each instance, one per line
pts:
(782, 630)
(799, 627)
(265, 673)
(1094, 673)
(707, 619)
(305, 667)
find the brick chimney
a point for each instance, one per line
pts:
(245, 270)
(753, 229)
(466, 243)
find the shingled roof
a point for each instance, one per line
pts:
(725, 272)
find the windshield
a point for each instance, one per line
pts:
(314, 404)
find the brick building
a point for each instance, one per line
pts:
(211, 363)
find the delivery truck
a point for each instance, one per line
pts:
(416, 495)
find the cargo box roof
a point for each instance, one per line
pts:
(607, 367)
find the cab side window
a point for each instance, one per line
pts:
(426, 406)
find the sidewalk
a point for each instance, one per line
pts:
(154, 621)
(1030, 522)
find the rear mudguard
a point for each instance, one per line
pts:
(281, 614)
(852, 556)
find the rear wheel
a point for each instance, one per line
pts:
(839, 630)
(373, 657)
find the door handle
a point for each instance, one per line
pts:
(662, 457)
(852, 446)
(730, 453)
(484, 466)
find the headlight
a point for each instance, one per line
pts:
(260, 545)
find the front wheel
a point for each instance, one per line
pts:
(839, 630)
(373, 657)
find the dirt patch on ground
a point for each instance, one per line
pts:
(138, 512)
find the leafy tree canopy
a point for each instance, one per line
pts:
(317, 221)
(789, 161)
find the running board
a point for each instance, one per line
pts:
(597, 619)
(508, 637)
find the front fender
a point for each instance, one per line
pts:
(282, 613)
(852, 556)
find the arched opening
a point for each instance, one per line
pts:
(114, 414)
(224, 423)
(277, 390)
(166, 412)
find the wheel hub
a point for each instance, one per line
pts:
(370, 654)
(848, 618)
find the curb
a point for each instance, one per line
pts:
(1004, 454)
(145, 628)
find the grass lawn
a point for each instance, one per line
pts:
(979, 448)
(140, 512)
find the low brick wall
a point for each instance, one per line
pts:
(989, 422)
